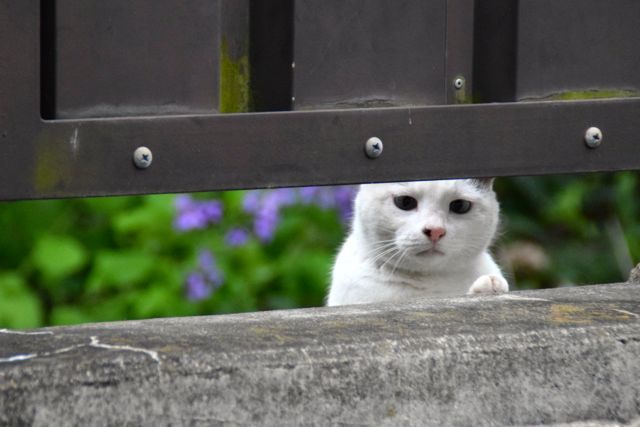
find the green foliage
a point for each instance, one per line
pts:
(103, 259)
(585, 228)
(86, 260)
(56, 257)
(19, 306)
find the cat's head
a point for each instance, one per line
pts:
(426, 225)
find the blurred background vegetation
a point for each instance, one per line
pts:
(116, 258)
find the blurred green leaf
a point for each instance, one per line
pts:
(119, 270)
(58, 256)
(68, 315)
(153, 302)
(19, 306)
(153, 215)
(567, 205)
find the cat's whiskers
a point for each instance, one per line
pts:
(383, 253)
(380, 246)
(386, 255)
(398, 252)
(404, 253)
(383, 242)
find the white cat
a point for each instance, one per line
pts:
(418, 239)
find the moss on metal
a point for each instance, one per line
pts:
(234, 81)
(52, 166)
(588, 94)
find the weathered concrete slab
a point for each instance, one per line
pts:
(569, 355)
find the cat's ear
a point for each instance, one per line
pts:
(484, 183)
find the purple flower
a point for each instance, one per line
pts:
(308, 194)
(339, 198)
(273, 200)
(237, 237)
(344, 196)
(265, 223)
(326, 198)
(208, 265)
(197, 287)
(267, 211)
(193, 214)
(284, 196)
(188, 221)
(205, 279)
(211, 210)
(183, 202)
(251, 201)
(206, 261)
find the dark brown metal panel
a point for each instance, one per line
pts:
(82, 157)
(93, 157)
(577, 45)
(350, 53)
(494, 51)
(459, 50)
(19, 94)
(535, 49)
(271, 54)
(134, 57)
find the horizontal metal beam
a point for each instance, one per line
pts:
(211, 152)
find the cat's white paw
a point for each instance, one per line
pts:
(489, 284)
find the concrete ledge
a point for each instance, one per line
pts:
(567, 355)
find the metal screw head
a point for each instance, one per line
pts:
(142, 157)
(458, 83)
(593, 137)
(373, 147)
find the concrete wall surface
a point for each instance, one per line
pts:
(567, 356)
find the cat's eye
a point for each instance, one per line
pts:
(460, 206)
(406, 203)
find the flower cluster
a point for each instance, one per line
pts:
(205, 279)
(265, 205)
(236, 237)
(195, 214)
(264, 210)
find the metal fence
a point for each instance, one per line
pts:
(84, 83)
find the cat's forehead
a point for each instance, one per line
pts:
(427, 190)
(436, 189)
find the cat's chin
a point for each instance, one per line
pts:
(432, 252)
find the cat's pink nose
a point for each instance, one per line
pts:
(434, 234)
